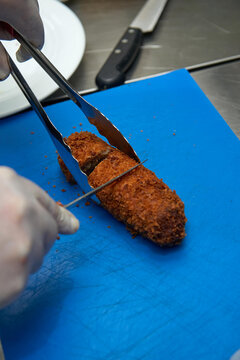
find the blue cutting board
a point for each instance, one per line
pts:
(102, 294)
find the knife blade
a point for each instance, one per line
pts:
(125, 52)
(102, 186)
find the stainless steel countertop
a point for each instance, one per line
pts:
(188, 33)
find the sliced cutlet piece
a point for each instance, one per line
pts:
(87, 149)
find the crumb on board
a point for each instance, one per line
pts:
(59, 203)
(45, 156)
(63, 190)
(43, 173)
(78, 195)
(90, 217)
(147, 139)
(77, 205)
(141, 130)
(87, 203)
(109, 227)
(54, 186)
(58, 237)
(32, 132)
(174, 133)
(46, 168)
(80, 124)
(74, 127)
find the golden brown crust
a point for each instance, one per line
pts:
(139, 199)
(65, 171)
(88, 149)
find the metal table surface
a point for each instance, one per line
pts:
(188, 33)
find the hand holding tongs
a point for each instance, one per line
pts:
(94, 116)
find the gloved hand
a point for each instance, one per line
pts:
(29, 223)
(23, 15)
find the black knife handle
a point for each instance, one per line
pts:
(113, 71)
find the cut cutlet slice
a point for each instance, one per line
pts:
(88, 149)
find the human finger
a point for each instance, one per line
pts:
(44, 233)
(31, 27)
(67, 223)
(4, 66)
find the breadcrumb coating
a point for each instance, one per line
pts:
(87, 149)
(139, 199)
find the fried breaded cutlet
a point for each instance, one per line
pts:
(139, 199)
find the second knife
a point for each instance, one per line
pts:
(121, 58)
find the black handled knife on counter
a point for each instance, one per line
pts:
(125, 52)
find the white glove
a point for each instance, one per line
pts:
(29, 223)
(22, 15)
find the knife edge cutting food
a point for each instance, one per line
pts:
(130, 192)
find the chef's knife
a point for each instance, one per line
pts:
(102, 186)
(113, 71)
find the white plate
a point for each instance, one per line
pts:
(64, 46)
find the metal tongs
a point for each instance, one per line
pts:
(94, 116)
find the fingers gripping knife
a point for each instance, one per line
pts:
(94, 116)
